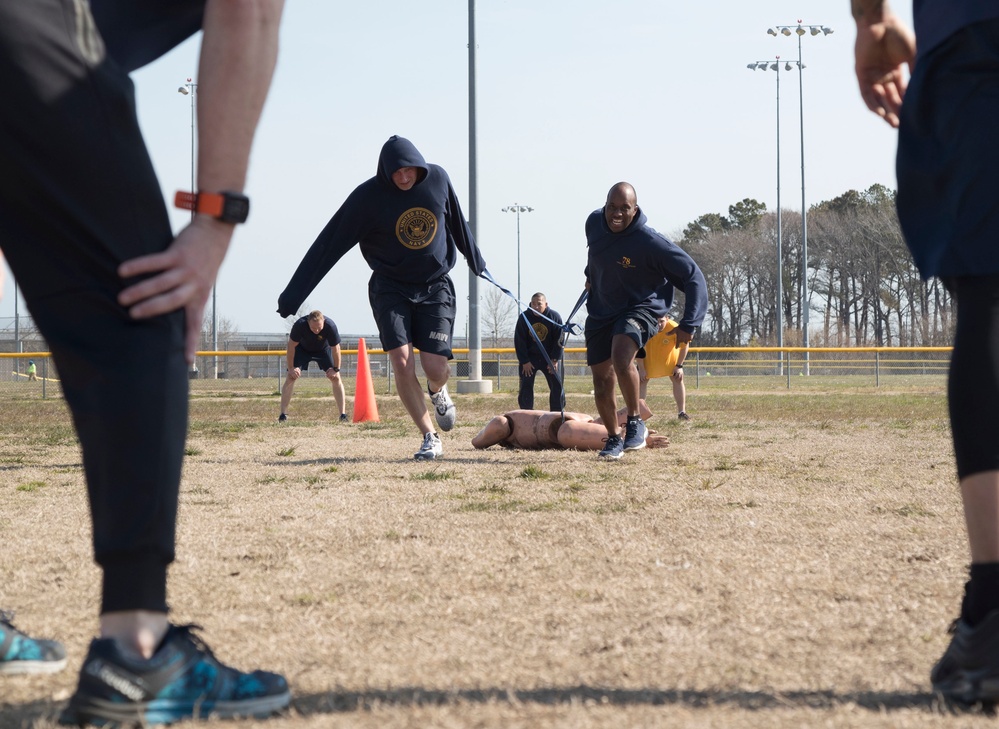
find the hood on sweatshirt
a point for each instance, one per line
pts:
(399, 152)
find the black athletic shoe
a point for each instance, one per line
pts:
(343, 417)
(968, 672)
(20, 653)
(683, 416)
(282, 418)
(183, 680)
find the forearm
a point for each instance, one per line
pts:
(239, 52)
(336, 356)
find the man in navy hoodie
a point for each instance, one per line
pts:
(409, 225)
(627, 263)
(545, 323)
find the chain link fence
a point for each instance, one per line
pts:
(261, 372)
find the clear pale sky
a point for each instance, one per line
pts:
(572, 97)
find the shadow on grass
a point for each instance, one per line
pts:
(329, 703)
(353, 701)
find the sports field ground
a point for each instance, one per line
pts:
(792, 559)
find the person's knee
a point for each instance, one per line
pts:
(604, 384)
(436, 367)
(402, 361)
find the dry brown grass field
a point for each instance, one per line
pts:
(792, 559)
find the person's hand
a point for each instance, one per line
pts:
(294, 374)
(183, 276)
(884, 43)
(682, 337)
(333, 375)
(677, 375)
(527, 369)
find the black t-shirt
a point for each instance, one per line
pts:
(328, 336)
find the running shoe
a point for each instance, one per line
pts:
(635, 433)
(614, 448)
(968, 672)
(22, 654)
(183, 680)
(444, 409)
(431, 448)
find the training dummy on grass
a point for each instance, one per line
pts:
(541, 429)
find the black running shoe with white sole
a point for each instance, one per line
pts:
(968, 672)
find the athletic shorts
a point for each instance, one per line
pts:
(639, 325)
(421, 315)
(948, 159)
(324, 359)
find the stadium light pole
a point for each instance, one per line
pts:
(775, 66)
(518, 208)
(800, 30)
(474, 383)
(191, 89)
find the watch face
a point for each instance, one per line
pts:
(236, 208)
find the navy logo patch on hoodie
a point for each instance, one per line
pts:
(416, 228)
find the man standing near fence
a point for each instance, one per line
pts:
(313, 338)
(538, 333)
(87, 234)
(627, 263)
(948, 180)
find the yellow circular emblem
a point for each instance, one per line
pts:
(416, 228)
(541, 330)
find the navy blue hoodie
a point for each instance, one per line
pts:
(550, 335)
(409, 236)
(627, 269)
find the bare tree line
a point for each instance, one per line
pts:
(864, 289)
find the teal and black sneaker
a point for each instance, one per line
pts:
(183, 680)
(21, 654)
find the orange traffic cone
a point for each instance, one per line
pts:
(365, 407)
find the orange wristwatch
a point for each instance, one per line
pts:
(229, 207)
